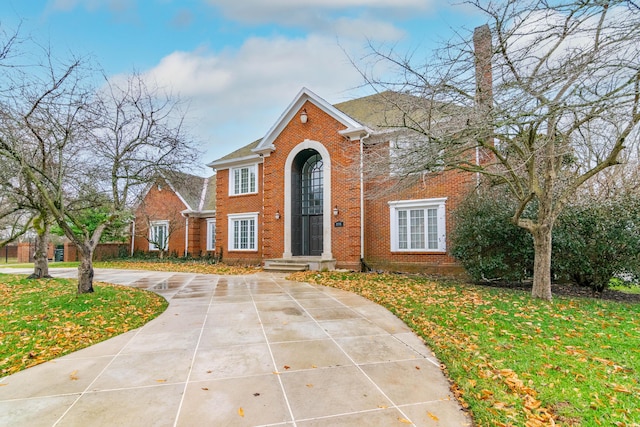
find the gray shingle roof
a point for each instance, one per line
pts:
(188, 186)
(209, 203)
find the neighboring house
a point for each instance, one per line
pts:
(297, 196)
(176, 215)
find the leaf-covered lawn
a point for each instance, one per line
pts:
(515, 361)
(194, 266)
(44, 319)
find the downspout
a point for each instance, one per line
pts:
(263, 219)
(186, 235)
(133, 236)
(367, 135)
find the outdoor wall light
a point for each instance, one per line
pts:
(336, 211)
(303, 116)
(277, 214)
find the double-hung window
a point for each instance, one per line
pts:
(243, 232)
(418, 225)
(158, 235)
(242, 180)
(211, 234)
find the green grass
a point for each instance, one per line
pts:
(44, 319)
(515, 361)
(627, 289)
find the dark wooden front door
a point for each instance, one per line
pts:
(315, 235)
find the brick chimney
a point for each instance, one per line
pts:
(484, 78)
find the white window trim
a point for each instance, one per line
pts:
(438, 203)
(211, 240)
(242, 216)
(152, 225)
(232, 182)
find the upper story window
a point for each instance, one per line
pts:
(416, 155)
(242, 180)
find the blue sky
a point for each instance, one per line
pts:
(238, 63)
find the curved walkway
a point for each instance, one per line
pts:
(254, 350)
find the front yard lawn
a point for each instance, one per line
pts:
(514, 361)
(44, 319)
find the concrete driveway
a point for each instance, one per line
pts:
(253, 350)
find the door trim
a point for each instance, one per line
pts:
(326, 209)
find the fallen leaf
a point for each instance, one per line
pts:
(241, 411)
(205, 388)
(161, 381)
(418, 368)
(309, 385)
(622, 389)
(256, 394)
(73, 376)
(404, 420)
(287, 367)
(432, 416)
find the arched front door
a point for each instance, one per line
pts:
(307, 203)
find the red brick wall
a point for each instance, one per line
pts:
(162, 204)
(226, 204)
(453, 185)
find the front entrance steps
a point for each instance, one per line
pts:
(299, 263)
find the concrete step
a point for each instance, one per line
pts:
(285, 266)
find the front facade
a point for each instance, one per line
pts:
(302, 193)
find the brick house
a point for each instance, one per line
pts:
(299, 197)
(303, 196)
(176, 216)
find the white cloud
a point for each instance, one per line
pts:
(235, 96)
(336, 17)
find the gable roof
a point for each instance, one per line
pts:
(186, 186)
(352, 126)
(388, 110)
(375, 113)
(240, 153)
(208, 200)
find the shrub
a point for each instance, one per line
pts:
(593, 242)
(487, 243)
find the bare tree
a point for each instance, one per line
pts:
(21, 211)
(98, 146)
(547, 100)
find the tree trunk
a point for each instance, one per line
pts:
(40, 261)
(85, 270)
(542, 263)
